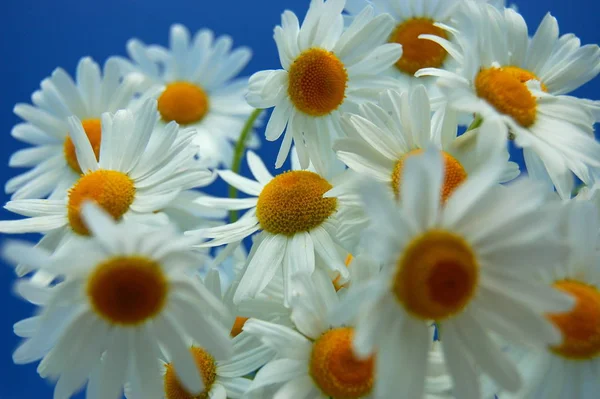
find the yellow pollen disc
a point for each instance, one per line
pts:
(93, 131)
(504, 88)
(293, 202)
(418, 53)
(183, 102)
(317, 82)
(208, 369)
(335, 369)
(581, 326)
(436, 276)
(238, 324)
(127, 290)
(336, 282)
(454, 174)
(113, 191)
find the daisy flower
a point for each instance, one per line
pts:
(195, 84)
(297, 225)
(125, 296)
(555, 131)
(140, 170)
(326, 70)
(315, 359)
(413, 18)
(52, 157)
(570, 369)
(466, 265)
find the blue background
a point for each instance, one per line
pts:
(40, 35)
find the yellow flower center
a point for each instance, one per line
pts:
(183, 102)
(436, 275)
(454, 174)
(418, 53)
(113, 191)
(317, 82)
(336, 282)
(335, 369)
(504, 88)
(238, 324)
(581, 326)
(127, 290)
(293, 202)
(208, 369)
(93, 131)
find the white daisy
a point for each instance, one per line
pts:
(195, 84)
(570, 369)
(125, 296)
(327, 70)
(46, 128)
(315, 359)
(140, 171)
(413, 18)
(466, 265)
(520, 81)
(186, 213)
(297, 225)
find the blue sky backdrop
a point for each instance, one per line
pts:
(40, 35)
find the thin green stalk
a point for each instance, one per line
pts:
(238, 153)
(476, 123)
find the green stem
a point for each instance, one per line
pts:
(476, 123)
(238, 153)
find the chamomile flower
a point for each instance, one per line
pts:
(140, 170)
(186, 213)
(327, 69)
(53, 157)
(195, 84)
(570, 369)
(315, 359)
(125, 296)
(519, 81)
(296, 222)
(413, 18)
(466, 265)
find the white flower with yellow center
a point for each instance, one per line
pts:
(53, 157)
(125, 297)
(140, 170)
(570, 369)
(520, 81)
(297, 225)
(466, 265)
(328, 69)
(413, 18)
(195, 84)
(315, 358)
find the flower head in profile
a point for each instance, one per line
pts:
(125, 297)
(467, 266)
(196, 85)
(327, 69)
(52, 157)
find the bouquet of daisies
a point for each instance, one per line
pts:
(404, 255)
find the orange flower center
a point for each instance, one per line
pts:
(93, 131)
(238, 324)
(183, 102)
(335, 369)
(418, 53)
(436, 276)
(454, 174)
(504, 88)
(317, 82)
(581, 326)
(293, 202)
(113, 191)
(207, 368)
(127, 290)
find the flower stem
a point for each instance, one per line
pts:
(238, 153)
(476, 123)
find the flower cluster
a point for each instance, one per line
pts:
(401, 256)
